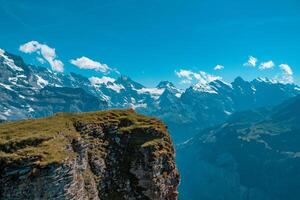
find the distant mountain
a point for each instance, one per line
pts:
(28, 91)
(31, 91)
(205, 105)
(254, 155)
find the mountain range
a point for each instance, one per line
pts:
(238, 138)
(254, 155)
(29, 91)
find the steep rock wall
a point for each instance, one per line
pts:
(103, 155)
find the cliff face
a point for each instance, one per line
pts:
(103, 155)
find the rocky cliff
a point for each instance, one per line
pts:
(28, 91)
(101, 155)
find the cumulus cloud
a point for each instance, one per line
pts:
(186, 75)
(87, 63)
(266, 65)
(287, 73)
(207, 78)
(286, 69)
(201, 77)
(218, 67)
(45, 52)
(251, 62)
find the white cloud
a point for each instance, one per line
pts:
(86, 63)
(287, 74)
(251, 62)
(46, 52)
(185, 81)
(186, 74)
(219, 67)
(201, 77)
(207, 78)
(286, 69)
(267, 65)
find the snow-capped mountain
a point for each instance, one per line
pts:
(254, 155)
(29, 91)
(124, 92)
(32, 91)
(205, 105)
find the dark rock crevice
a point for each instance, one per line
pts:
(101, 156)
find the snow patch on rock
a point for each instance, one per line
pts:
(9, 62)
(41, 82)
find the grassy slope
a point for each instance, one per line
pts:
(43, 141)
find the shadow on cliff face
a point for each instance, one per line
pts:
(115, 154)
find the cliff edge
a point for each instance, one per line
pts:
(113, 155)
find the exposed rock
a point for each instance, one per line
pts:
(28, 91)
(102, 155)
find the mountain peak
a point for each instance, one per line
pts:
(165, 84)
(128, 83)
(103, 80)
(220, 84)
(124, 78)
(265, 80)
(204, 87)
(11, 61)
(1, 52)
(239, 80)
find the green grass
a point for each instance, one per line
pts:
(45, 140)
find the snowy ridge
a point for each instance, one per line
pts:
(204, 88)
(31, 91)
(106, 82)
(9, 62)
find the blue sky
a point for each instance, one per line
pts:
(150, 40)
